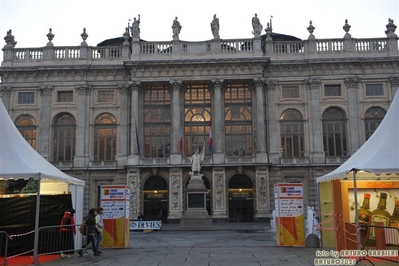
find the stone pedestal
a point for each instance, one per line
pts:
(196, 216)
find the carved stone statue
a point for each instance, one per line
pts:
(135, 28)
(215, 27)
(257, 27)
(176, 27)
(196, 162)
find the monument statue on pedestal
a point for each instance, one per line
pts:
(196, 216)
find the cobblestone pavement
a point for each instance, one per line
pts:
(248, 245)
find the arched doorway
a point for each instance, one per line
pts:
(155, 198)
(241, 204)
(208, 194)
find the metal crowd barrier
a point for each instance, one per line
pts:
(3, 247)
(51, 241)
(380, 242)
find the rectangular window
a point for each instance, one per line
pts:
(332, 90)
(290, 92)
(65, 96)
(105, 96)
(26, 97)
(374, 90)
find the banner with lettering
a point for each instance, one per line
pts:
(290, 220)
(115, 201)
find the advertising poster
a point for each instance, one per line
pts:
(290, 220)
(116, 203)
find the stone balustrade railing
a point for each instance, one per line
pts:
(213, 49)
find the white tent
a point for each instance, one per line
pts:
(19, 160)
(378, 158)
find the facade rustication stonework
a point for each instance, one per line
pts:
(269, 109)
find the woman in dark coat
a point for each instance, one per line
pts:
(91, 232)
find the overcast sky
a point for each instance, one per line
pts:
(30, 20)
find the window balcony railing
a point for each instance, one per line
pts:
(102, 164)
(294, 160)
(336, 159)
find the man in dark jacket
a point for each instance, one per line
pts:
(91, 232)
(67, 231)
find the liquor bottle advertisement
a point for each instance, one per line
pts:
(375, 194)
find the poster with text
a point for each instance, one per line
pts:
(115, 200)
(290, 221)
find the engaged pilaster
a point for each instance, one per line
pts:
(218, 121)
(219, 193)
(45, 123)
(134, 156)
(352, 86)
(261, 155)
(177, 126)
(175, 194)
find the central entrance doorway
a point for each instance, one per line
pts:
(241, 205)
(155, 199)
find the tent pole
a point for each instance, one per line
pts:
(36, 241)
(356, 210)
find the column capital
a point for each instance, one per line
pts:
(84, 89)
(217, 84)
(258, 82)
(394, 81)
(271, 85)
(46, 90)
(352, 82)
(312, 83)
(124, 88)
(6, 90)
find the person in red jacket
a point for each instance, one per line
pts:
(67, 231)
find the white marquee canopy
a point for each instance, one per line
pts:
(19, 160)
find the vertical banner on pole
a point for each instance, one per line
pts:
(290, 221)
(115, 201)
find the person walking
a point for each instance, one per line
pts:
(67, 232)
(91, 232)
(100, 228)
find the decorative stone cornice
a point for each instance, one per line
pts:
(45, 90)
(352, 82)
(312, 84)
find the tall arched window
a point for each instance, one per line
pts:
(238, 120)
(64, 138)
(197, 109)
(26, 125)
(157, 134)
(334, 132)
(105, 137)
(292, 140)
(372, 119)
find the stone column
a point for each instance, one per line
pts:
(261, 155)
(134, 157)
(219, 193)
(274, 151)
(218, 121)
(134, 181)
(83, 121)
(175, 194)
(177, 126)
(262, 192)
(316, 153)
(394, 82)
(45, 122)
(123, 131)
(355, 122)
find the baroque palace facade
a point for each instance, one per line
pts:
(269, 109)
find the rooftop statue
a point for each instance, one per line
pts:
(135, 28)
(257, 27)
(215, 27)
(176, 27)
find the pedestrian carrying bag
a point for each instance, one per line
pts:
(82, 228)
